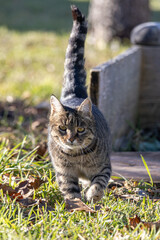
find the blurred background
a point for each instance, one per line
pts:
(33, 41)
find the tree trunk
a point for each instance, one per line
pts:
(110, 19)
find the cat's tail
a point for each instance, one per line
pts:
(74, 71)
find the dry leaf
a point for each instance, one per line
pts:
(136, 220)
(7, 189)
(152, 224)
(36, 182)
(41, 203)
(11, 192)
(24, 193)
(41, 150)
(25, 188)
(77, 205)
(133, 222)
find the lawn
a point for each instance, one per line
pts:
(33, 40)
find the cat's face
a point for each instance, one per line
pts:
(71, 129)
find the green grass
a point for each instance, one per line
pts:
(31, 63)
(31, 223)
(146, 166)
(33, 41)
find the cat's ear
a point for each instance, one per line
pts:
(86, 107)
(56, 106)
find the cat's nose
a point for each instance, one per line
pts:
(71, 140)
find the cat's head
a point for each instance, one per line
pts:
(72, 129)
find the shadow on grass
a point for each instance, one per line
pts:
(40, 15)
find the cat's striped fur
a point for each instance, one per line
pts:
(79, 138)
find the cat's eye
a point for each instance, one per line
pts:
(80, 129)
(62, 128)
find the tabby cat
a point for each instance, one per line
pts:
(79, 138)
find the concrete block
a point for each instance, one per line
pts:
(115, 90)
(149, 102)
(146, 34)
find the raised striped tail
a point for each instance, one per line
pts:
(74, 71)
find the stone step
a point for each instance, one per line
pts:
(130, 165)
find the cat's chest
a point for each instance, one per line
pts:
(85, 171)
(81, 163)
(82, 166)
(81, 173)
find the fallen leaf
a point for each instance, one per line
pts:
(7, 189)
(23, 193)
(27, 187)
(77, 205)
(16, 195)
(41, 150)
(41, 203)
(136, 220)
(133, 222)
(11, 192)
(150, 225)
(36, 182)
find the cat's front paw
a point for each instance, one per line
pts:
(95, 193)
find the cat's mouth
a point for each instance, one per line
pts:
(70, 145)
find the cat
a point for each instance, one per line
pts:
(78, 135)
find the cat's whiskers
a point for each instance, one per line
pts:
(68, 147)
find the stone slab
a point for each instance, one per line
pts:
(149, 102)
(115, 89)
(130, 165)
